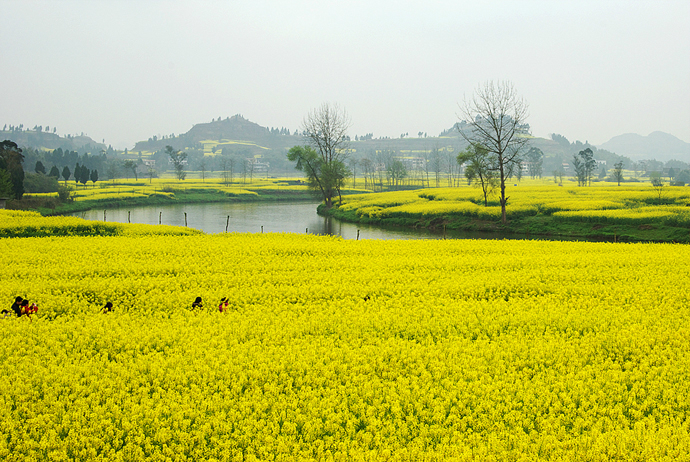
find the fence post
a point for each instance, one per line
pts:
(227, 223)
(185, 219)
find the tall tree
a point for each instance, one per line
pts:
(11, 160)
(323, 160)
(617, 172)
(535, 159)
(178, 159)
(584, 165)
(579, 167)
(66, 173)
(479, 169)
(131, 166)
(497, 121)
(84, 174)
(657, 183)
(94, 176)
(40, 168)
(54, 172)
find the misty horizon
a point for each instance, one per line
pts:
(123, 72)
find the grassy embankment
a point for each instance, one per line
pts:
(629, 213)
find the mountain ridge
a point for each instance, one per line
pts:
(657, 145)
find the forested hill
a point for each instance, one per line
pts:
(38, 138)
(235, 128)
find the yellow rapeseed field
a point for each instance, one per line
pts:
(630, 204)
(344, 350)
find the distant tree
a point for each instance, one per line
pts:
(11, 160)
(657, 183)
(77, 173)
(84, 175)
(435, 161)
(40, 168)
(151, 172)
(584, 164)
(671, 173)
(602, 173)
(479, 169)
(352, 163)
(202, 169)
(66, 173)
(178, 159)
(397, 172)
(558, 176)
(131, 166)
(54, 172)
(94, 176)
(227, 165)
(498, 124)
(535, 159)
(617, 172)
(112, 169)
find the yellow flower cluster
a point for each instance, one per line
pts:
(32, 224)
(344, 350)
(124, 189)
(625, 204)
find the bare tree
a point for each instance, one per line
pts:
(325, 131)
(496, 120)
(435, 160)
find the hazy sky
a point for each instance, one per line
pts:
(127, 70)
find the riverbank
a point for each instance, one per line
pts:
(614, 215)
(530, 227)
(162, 192)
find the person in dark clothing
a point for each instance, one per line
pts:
(107, 308)
(197, 303)
(16, 307)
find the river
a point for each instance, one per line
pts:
(267, 217)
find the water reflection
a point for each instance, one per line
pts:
(270, 217)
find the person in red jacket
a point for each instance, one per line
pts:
(223, 305)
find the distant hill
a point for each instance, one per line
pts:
(46, 140)
(657, 145)
(235, 128)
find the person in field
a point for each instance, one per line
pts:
(107, 308)
(27, 310)
(198, 303)
(223, 307)
(16, 307)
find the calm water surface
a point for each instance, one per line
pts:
(273, 217)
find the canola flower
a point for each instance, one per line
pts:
(17, 223)
(632, 204)
(344, 350)
(132, 189)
